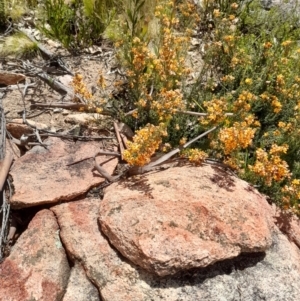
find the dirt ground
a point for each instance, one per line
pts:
(89, 65)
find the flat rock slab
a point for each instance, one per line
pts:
(9, 78)
(37, 268)
(45, 175)
(185, 217)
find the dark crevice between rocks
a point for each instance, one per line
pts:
(92, 282)
(197, 276)
(71, 261)
(120, 255)
(20, 219)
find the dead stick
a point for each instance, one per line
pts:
(102, 170)
(4, 168)
(199, 114)
(135, 170)
(177, 150)
(69, 105)
(125, 140)
(59, 87)
(119, 139)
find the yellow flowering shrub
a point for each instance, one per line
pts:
(249, 88)
(80, 88)
(155, 70)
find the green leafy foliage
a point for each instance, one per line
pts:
(79, 23)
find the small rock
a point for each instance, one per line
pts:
(66, 80)
(185, 217)
(52, 43)
(17, 128)
(37, 268)
(45, 176)
(57, 110)
(83, 118)
(9, 78)
(65, 112)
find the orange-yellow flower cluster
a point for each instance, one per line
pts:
(216, 109)
(243, 102)
(195, 156)
(168, 102)
(239, 136)
(291, 194)
(145, 142)
(270, 166)
(80, 88)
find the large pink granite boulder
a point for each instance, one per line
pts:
(185, 217)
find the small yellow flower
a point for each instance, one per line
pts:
(182, 141)
(268, 45)
(234, 5)
(248, 81)
(286, 43)
(216, 13)
(296, 182)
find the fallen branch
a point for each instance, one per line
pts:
(5, 211)
(15, 87)
(136, 170)
(170, 154)
(68, 105)
(102, 170)
(119, 139)
(199, 114)
(66, 92)
(4, 169)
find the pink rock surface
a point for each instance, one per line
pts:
(43, 175)
(185, 217)
(79, 287)
(37, 268)
(9, 78)
(115, 279)
(17, 128)
(289, 224)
